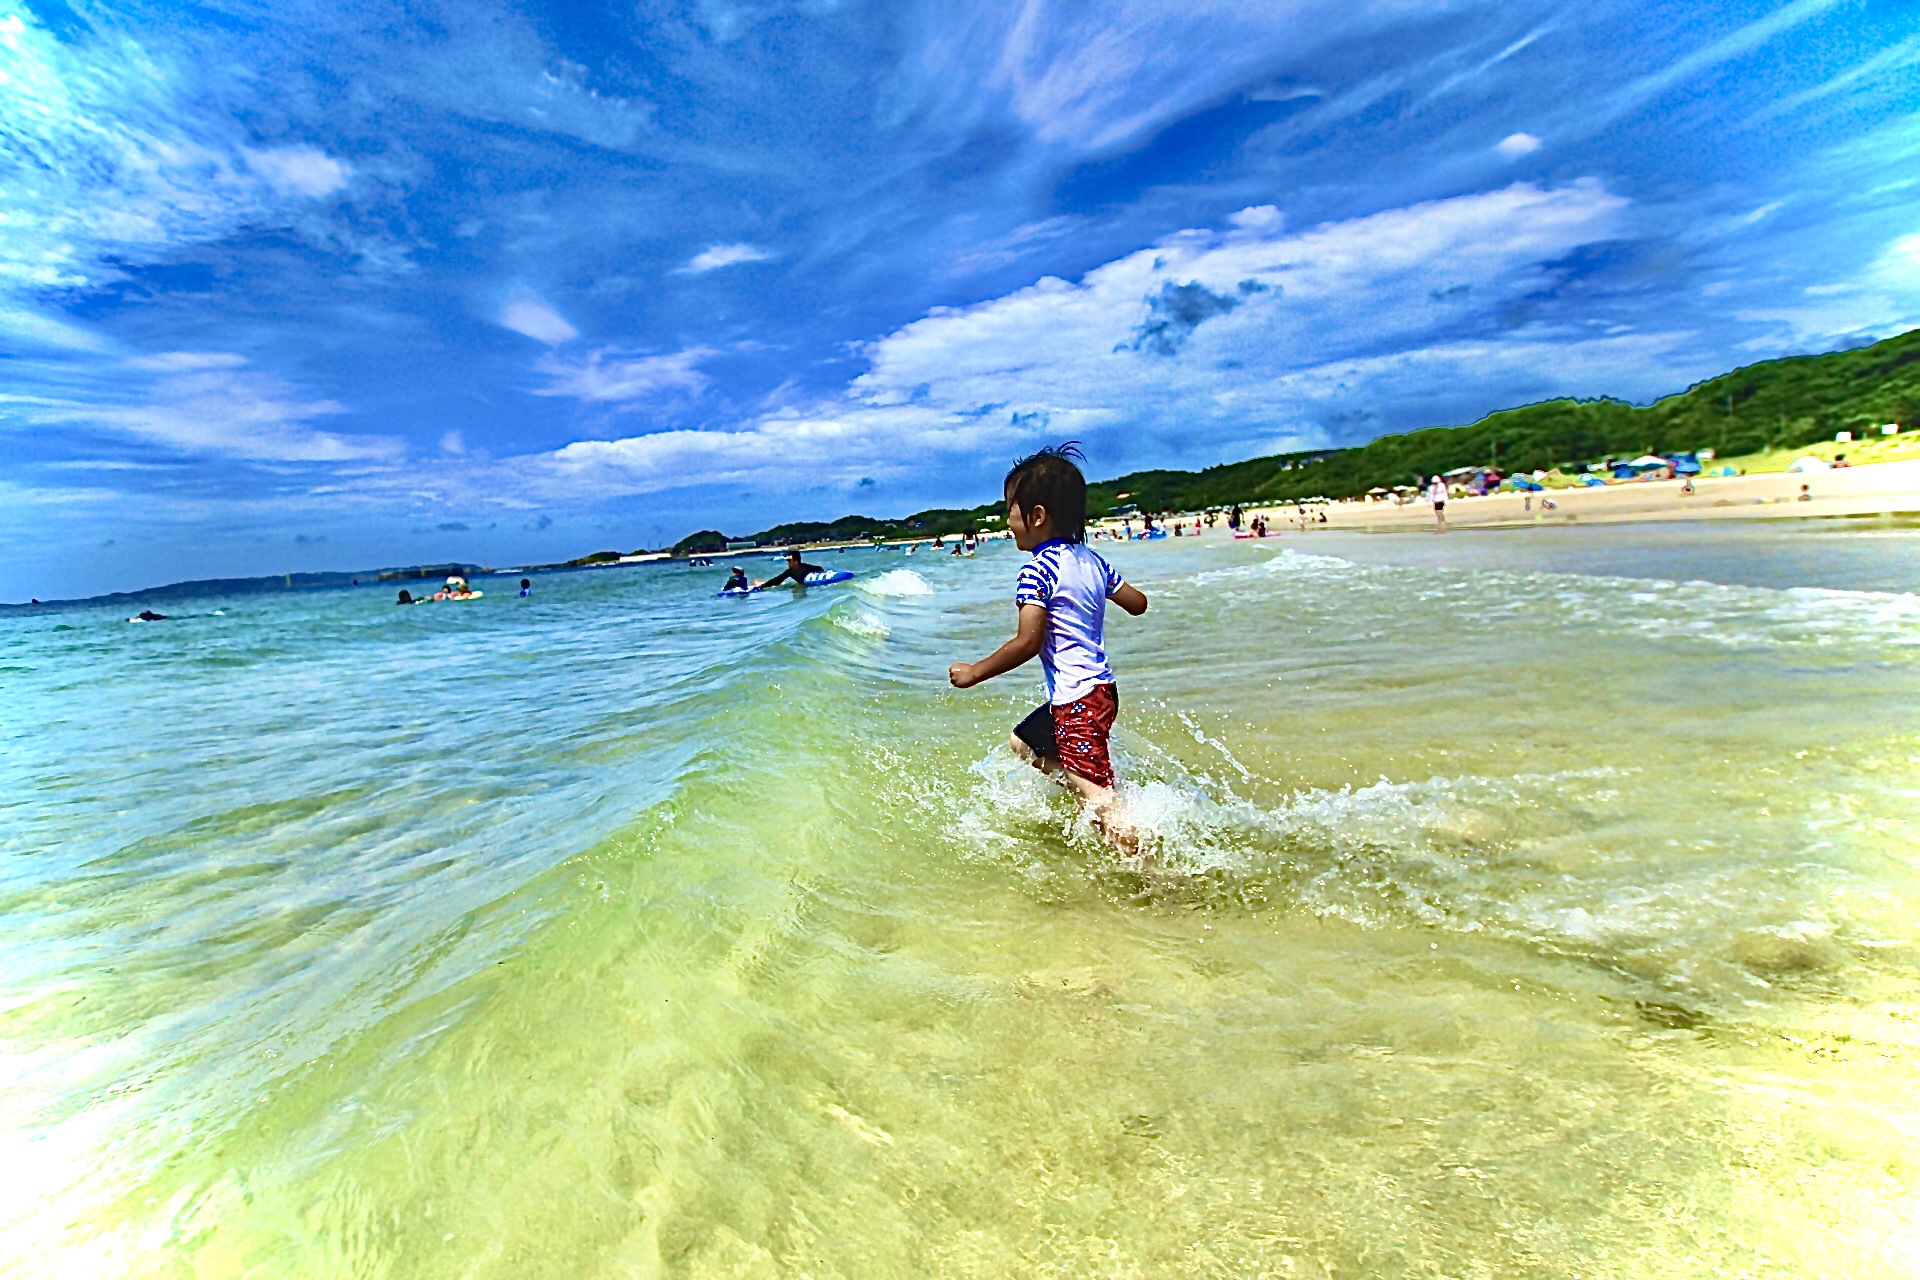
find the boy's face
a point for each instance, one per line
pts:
(1029, 529)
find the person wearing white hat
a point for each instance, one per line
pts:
(1437, 495)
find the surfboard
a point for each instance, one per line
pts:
(820, 579)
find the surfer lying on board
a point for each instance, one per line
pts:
(1062, 594)
(796, 572)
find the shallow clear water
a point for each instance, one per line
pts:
(1529, 904)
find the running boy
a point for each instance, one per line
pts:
(1062, 594)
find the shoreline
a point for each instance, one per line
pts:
(1886, 489)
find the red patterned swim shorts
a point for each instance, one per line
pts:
(1075, 733)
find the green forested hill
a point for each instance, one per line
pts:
(1778, 403)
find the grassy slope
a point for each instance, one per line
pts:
(1763, 409)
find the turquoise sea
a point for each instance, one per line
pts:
(1540, 903)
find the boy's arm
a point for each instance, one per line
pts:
(1027, 641)
(1130, 598)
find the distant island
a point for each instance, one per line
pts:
(1775, 404)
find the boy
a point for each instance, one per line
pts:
(1062, 595)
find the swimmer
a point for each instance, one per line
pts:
(526, 586)
(148, 615)
(737, 580)
(795, 573)
(406, 597)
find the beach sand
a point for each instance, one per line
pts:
(1890, 488)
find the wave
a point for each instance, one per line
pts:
(1553, 861)
(895, 582)
(863, 624)
(1661, 609)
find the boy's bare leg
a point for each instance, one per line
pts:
(1108, 813)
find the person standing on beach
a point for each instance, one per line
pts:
(1437, 495)
(1062, 594)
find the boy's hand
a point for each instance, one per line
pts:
(1026, 642)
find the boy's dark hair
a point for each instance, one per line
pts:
(1049, 478)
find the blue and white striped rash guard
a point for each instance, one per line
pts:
(1071, 582)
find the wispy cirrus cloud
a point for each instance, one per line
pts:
(607, 376)
(203, 403)
(532, 316)
(1734, 44)
(299, 170)
(1249, 333)
(723, 255)
(108, 161)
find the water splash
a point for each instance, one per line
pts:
(895, 582)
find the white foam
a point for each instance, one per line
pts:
(862, 624)
(895, 582)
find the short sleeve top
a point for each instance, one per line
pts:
(1071, 582)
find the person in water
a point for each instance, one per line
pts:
(406, 597)
(737, 580)
(1061, 594)
(796, 571)
(526, 586)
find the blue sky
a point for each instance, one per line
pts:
(298, 285)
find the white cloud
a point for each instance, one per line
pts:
(299, 170)
(1884, 299)
(188, 361)
(112, 159)
(530, 315)
(1011, 247)
(1247, 334)
(1481, 68)
(1092, 76)
(29, 326)
(452, 442)
(1515, 145)
(606, 377)
(1761, 214)
(784, 451)
(1735, 44)
(205, 403)
(723, 255)
(1882, 67)
(1264, 301)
